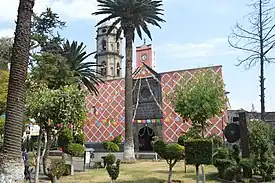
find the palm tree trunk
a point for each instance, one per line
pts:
(11, 165)
(129, 152)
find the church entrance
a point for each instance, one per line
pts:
(145, 136)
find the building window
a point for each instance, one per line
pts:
(103, 69)
(112, 47)
(104, 45)
(117, 46)
(118, 69)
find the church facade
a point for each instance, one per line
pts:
(153, 111)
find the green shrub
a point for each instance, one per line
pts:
(58, 168)
(67, 171)
(2, 124)
(198, 151)
(222, 165)
(181, 140)
(79, 138)
(232, 173)
(113, 170)
(247, 163)
(76, 150)
(222, 160)
(217, 140)
(65, 138)
(111, 146)
(172, 153)
(236, 153)
(117, 139)
(110, 159)
(159, 147)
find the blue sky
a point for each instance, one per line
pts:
(195, 35)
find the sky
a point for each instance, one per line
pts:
(195, 35)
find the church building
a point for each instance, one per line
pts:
(153, 113)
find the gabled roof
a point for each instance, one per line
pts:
(146, 68)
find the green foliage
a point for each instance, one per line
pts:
(261, 136)
(57, 109)
(65, 138)
(76, 150)
(171, 152)
(52, 70)
(247, 163)
(139, 15)
(2, 125)
(198, 151)
(113, 170)
(217, 140)
(232, 173)
(83, 71)
(57, 168)
(200, 98)
(181, 140)
(45, 31)
(5, 52)
(111, 146)
(117, 139)
(110, 159)
(79, 138)
(236, 153)
(4, 81)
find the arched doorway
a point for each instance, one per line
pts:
(145, 136)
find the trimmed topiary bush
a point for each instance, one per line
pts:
(57, 169)
(79, 138)
(172, 153)
(110, 159)
(117, 139)
(198, 151)
(181, 140)
(76, 150)
(111, 146)
(65, 138)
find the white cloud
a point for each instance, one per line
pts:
(216, 46)
(73, 9)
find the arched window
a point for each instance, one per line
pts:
(118, 69)
(103, 69)
(117, 46)
(104, 45)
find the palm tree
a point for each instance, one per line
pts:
(11, 167)
(131, 16)
(83, 71)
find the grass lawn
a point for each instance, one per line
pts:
(142, 172)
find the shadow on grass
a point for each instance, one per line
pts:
(147, 180)
(208, 176)
(173, 172)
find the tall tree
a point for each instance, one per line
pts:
(131, 16)
(200, 99)
(11, 165)
(257, 41)
(84, 72)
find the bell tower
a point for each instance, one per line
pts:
(145, 54)
(109, 53)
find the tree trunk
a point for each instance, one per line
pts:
(197, 174)
(169, 174)
(11, 164)
(46, 163)
(203, 174)
(43, 152)
(54, 180)
(262, 79)
(72, 165)
(129, 152)
(37, 166)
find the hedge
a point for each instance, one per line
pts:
(198, 151)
